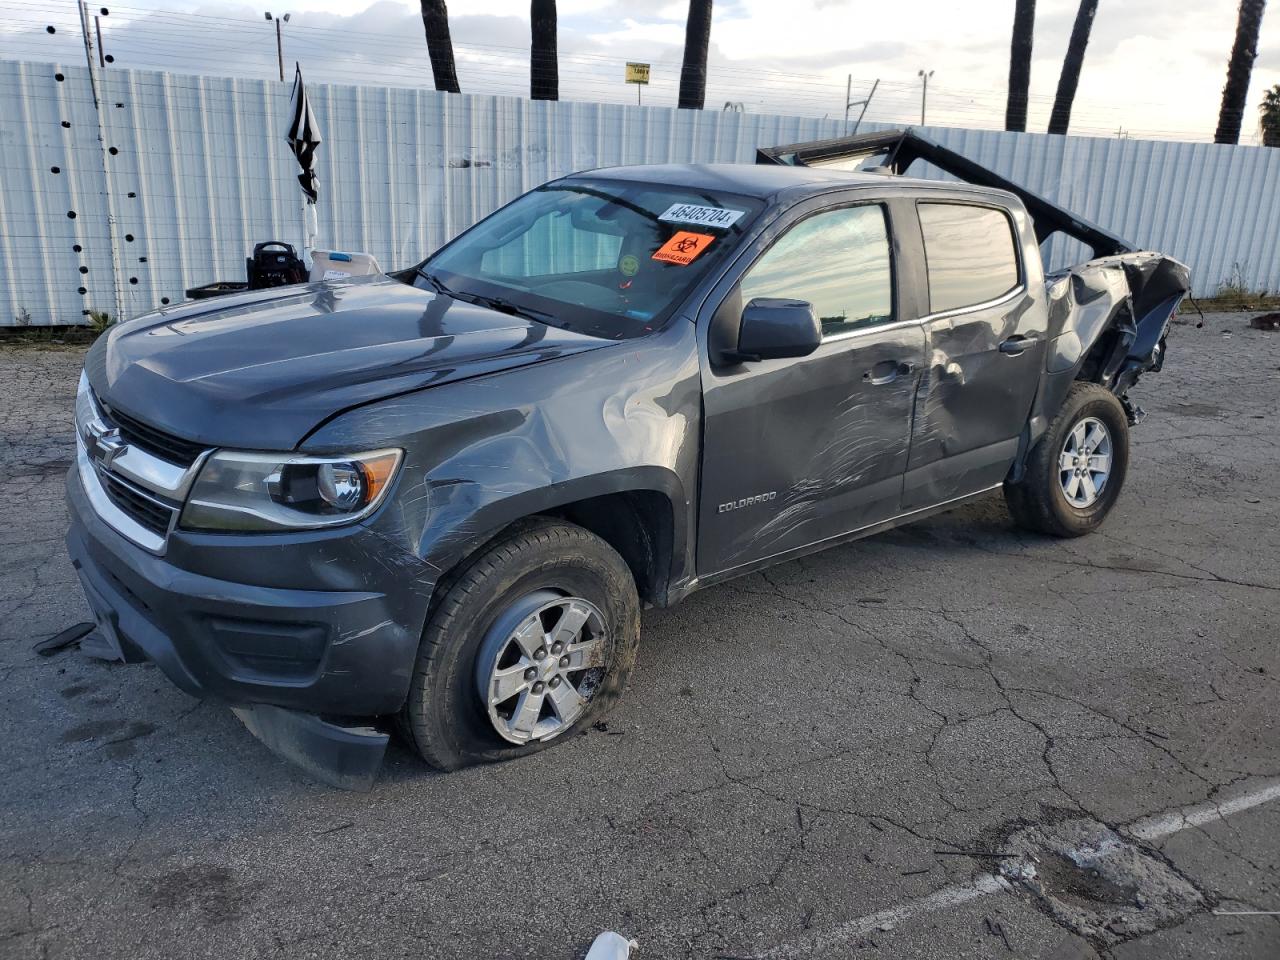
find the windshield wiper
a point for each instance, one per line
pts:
(493, 303)
(436, 282)
(506, 306)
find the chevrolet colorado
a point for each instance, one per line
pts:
(440, 498)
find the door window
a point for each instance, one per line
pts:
(839, 261)
(970, 252)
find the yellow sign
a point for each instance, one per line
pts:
(637, 72)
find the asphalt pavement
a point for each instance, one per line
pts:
(953, 740)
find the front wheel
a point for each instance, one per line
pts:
(532, 639)
(1075, 473)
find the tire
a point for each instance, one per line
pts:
(542, 570)
(1040, 500)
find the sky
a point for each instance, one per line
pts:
(1154, 68)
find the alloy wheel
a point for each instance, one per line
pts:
(1085, 462)
(540, 664)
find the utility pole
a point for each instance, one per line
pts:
(924, 92)
(848, 92)
(279, 41)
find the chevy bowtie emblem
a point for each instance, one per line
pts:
(105, 446)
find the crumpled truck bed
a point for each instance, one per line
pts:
(1110, 316)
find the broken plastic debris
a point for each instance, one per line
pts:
(611, 946)
(51, 645)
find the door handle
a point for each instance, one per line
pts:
(1016, 344)
(887, 371)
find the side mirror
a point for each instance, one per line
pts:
(773, 328)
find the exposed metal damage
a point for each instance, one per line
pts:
(1108, 318)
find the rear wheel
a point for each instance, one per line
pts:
(532, 639)
(1075, 473)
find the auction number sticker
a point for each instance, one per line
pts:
(701, 216)
(683, 248)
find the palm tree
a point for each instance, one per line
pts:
(1239, 68)
(1024, 21)
(697, 40)
(1270, 108)
(1069, 79)
(435, 20)
(544, 67)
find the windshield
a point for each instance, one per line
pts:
(607, 258)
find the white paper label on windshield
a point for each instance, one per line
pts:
(702, 216)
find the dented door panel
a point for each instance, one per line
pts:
(799, 451)
(973, 400)
(980, 382)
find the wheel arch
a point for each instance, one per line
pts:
(641, 513)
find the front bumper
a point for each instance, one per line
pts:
(319, 623)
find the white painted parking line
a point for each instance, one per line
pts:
(1197, 815)
(1147, 829)
(889, 918)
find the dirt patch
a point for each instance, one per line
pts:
(114, 731)
(1199, 411)
(1098, 884)
(214, 891)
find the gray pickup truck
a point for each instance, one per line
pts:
(439, 499)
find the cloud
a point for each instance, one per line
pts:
(1151, 65)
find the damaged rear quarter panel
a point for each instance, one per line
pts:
(483, 453)
(1107, 321)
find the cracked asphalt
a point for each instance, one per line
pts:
(798, 749)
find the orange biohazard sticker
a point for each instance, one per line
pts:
(684, 247)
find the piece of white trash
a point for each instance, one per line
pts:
(611, 946)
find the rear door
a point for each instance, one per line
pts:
(986, 331)
(803, 450)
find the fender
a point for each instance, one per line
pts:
(485, 452)
(466, 515)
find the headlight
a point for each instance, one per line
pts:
(269, 491)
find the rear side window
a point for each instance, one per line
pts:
(971, 254)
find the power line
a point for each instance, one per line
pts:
(157, 37)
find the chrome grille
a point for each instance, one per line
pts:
(135, 476)
(143, 509)
(165, 445)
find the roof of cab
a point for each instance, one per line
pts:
(764, 181)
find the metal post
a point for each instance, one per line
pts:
(924, 92)
(866, 103)
(100, 119)
(853, 103)
(97, 29)
(279, 50)
(88, 51)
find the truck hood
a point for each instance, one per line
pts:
(262, 370)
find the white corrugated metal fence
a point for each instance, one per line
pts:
(170, 182)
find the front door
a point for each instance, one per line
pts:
(986, 352)
(796, 452)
